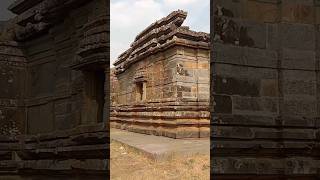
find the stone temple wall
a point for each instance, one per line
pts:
(12, 109)
(114, 88)
(12, 81)
(265, 89)
(54, 85)
(173, 73)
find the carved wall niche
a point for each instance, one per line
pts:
(140, 80)
(92, 59)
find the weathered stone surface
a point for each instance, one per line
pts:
(264, 93)
(297, 11)
(12, 80)
(297, 36)
(295, 59)
(260, 11)
(247, 56)
(160, 85)
(53, 76)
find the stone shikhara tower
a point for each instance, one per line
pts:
(160, 85)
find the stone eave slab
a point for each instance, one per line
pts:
(20, 6)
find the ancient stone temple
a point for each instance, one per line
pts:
(160, 85)
(265, 89)
(54, 82)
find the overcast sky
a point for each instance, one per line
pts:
(5, 14)
(130, 17)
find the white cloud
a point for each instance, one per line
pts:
(130, 17)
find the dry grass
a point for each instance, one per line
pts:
(129, 164)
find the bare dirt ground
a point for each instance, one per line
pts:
(129, 164)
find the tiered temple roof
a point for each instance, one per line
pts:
(159, 36)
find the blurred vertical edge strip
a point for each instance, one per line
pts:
(265, 89)
(211, 84)
(55, 86)
(108, 100)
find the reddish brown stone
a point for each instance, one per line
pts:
(163, 75)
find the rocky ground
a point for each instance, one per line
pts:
(129, 164)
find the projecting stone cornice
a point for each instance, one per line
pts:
(122, 66)
(175, 17)
(35, 16)
(160, 35)
(20, 6)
